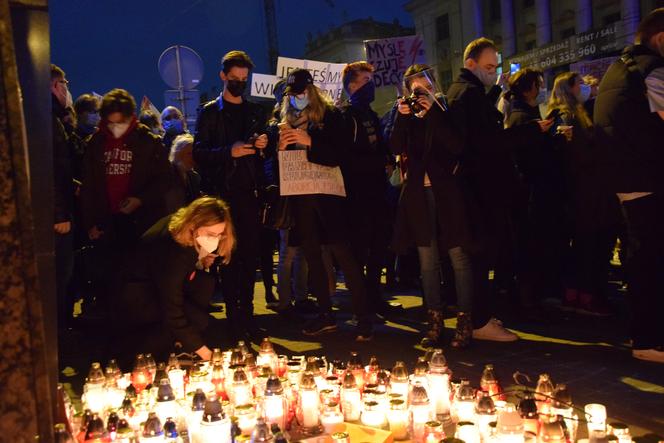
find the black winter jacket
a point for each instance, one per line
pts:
(629, 135)
(364, 173)
(163, 287)
(489, 148)
(222, 174)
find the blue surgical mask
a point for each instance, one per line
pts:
(299, 103)
(173, 126)
(541, 96)
(92, 119)
(585, 93)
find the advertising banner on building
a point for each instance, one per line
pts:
(581, 46)
(391, 57)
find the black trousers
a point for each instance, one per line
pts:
(369, 236)
(542, 242)
(239, 276)
(645, 260)
(312, 237)
(269, 241)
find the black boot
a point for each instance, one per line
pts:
(464, 331)
(434, 336)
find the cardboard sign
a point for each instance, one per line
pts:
(298, 176)
(390, 57)
(327, 76)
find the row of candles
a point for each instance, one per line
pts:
(239, 396)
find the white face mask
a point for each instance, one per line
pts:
(118, 129)
(208, 243)
(585, 93)
(487, 79)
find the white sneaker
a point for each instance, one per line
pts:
(654, 355)
(494, 331)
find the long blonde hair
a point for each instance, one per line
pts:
(319, 102)
(564, 99)
(204, 211)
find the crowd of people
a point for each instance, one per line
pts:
(490, 185)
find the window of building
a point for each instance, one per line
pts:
(494, 9)
(528, 3)
(443, 27)
(568, 32)
(531, 44)
(612, 18)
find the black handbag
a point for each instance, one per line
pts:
(276, 210)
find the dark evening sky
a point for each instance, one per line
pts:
(103, 44)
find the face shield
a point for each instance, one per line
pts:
(419, 87)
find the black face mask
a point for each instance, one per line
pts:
(236, 87)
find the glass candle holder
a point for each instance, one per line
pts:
(372, 415)
(595, 417)
(246, 418)
(433, 432)
(468, 432)
(332, 419)
(397, 418)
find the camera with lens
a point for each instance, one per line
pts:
(411, 100)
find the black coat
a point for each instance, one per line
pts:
(63, 188)
(151, 176)
(433, 146)
(539, 158)
(329, 147)
(163, 290)
(630, 135)
(489, 157)
(221, 174)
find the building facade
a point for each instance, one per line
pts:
(521, 27)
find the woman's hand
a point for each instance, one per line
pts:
(204, 353)
(208, 260)
(302, 137)
(290, 136)
(286, 137)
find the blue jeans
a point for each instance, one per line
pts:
(292, 271)
(430, 267)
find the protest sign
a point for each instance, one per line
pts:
(390, 57)
(146, 105)
(298, 176)
(327, 76)
(262, 85)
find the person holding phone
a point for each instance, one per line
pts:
(540, 237)
(230, 135)
(310, 122)
(163, 301)
(591, 208)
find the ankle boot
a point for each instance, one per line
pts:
(434, 336)
(464, 331)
